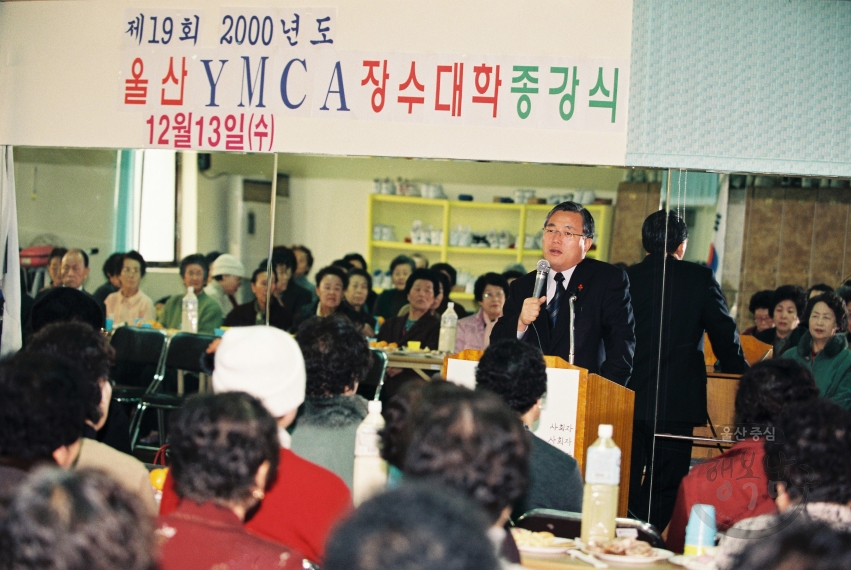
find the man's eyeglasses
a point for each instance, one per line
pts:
(552, 232)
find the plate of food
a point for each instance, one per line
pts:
(628, 550)
(540, 542)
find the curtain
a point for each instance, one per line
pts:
(10, 263)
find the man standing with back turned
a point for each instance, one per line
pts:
(693, 304)
(603, 332)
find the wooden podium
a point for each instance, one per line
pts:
(598, 401)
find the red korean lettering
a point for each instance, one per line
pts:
(381, 86)
(457, 71)
(182, 129)
(259, 130)
(482, 89)
(171, 77)
(216, 127)
(136, 89)
(235, 132)
(412, 80)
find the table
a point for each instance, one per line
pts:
(563, 561)
(418, 362)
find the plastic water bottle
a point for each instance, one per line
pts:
(370, 474)
(448, 329)
(189, 317)
(602, 483)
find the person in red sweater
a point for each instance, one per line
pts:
(305, 500)
(735, 482)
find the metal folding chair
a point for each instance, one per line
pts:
(138, 356)
(566, 524)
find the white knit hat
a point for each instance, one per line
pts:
(264, 361)
(227, 264)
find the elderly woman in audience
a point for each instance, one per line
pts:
(331, 283)
(305, 500)
(254, 312)
(516, 372)
(193, 272)
(129, 303)
(355, 302)
(336, 359)
(224, 451)
(809, 471)
(391, 300)
(76, 521)
(788, 304)
(452, 275)
(760, 307)
(823, 350)
(285, 289)
(475, 331)
(419, 324)
(764, 390)
(304, 263)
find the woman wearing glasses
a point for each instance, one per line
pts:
(129, 303)
(474, 331)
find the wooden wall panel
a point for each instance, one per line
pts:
(796, 237)
(629, 215)
(760, 259)
(830, 237)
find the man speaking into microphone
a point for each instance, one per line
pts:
(601, 337)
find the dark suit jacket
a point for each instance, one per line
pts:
(693, 304)
(605, 336)
(426, 330)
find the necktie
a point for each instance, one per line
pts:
(553, 305)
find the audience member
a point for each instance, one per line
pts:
(420, 261)
(254, 312)
(75, 269)
(224, 451)
(227, 273)
(305, 500)
(825, 351)
(357, 300)
(82, 520)
(112, 271)
(304, 263)
(818, 289)
(129, 302)
(452, 274)
(788, 304)
(812, 546)
(193, 272)
(358, 262)
(474, 331)
(809, 472)
(394, 435)
(743, 492)
(336, 359)
(288, 292)
(389, 302)
(54, 266)
(414, 527)
(512, 274)
(65, 304)
(760, 307)
(517, 373)
(89, 356)
(331, 282)
(211, 257)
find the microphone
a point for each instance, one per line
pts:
(541, 278)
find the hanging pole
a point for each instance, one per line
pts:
(272, 201)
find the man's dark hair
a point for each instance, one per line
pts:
(402, 259)
(588, 228)
(413, 527)
(66, 304)
(85, 351)
(76, 520)
(41, 407)
(262, 271)
(491, 278)
(333, 270)
(307, 253)
(281, 255)
(397, 414)
(512, 274)
(82, 253)
(445, 285)
(469, 441)
(769, 386)
(57, 252)
(834, 303)
(135, 256)
(356, 257)
(761, 300)
(515, 371)
(810, 452)
(653, 232)
(194, 259)
(212, 257)
(443, 267)
(217, 444)
(342, 264)
(363, 273)
(112, 265)
(809, 545)
(425, 275)
(336, 354)
(821, 287)
(789, 293)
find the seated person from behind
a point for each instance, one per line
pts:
(764, 390)
(760, 307)
(390, 300)
(810, 546)
(448, 532)
(224, 451)
(516, 372)
(331, 282)
(474, 331)
(254, 311)
(193, 272)
(227, 273)
(129, 303)
(809, 468)
(336, 359)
